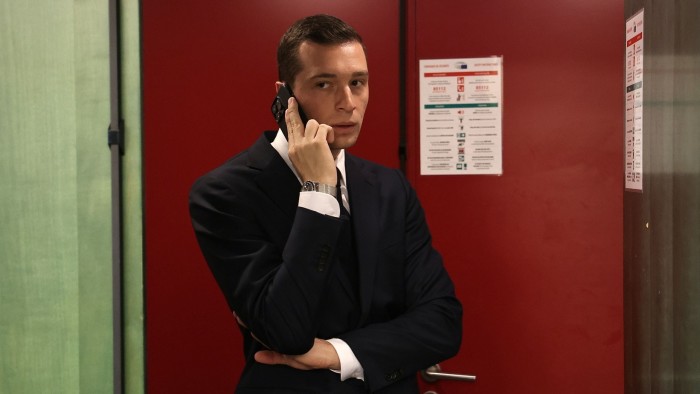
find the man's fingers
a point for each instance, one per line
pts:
(309, 149)
(319, 133)
(322, 355)
(325, 132)
(295, 128)
(274, 358)
(269, 357)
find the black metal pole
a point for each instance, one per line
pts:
(115, 141)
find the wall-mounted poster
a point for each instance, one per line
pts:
(461, 111)
(634, 76)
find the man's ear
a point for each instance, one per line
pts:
(278, 85)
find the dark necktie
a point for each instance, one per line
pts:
(343, 211)
(348, 260)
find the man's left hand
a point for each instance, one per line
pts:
(321, 356)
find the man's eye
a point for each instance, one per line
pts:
(322, 85)
(358, 82)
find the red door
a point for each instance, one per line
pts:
(537, 252)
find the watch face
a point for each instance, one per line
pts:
(309, 186)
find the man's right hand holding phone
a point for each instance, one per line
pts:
(308, 147)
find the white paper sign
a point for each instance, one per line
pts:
(461, 116)
(634, 75)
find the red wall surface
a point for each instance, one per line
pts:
(536, 254)
(209, 70)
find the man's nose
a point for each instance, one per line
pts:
(345, 100)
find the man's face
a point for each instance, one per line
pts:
(333, 88)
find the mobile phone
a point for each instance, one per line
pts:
(279, 105)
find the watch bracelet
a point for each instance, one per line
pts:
(320, 187)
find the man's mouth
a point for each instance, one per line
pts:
(343, 126)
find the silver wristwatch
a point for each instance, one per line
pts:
(311, 186)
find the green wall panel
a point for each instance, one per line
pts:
(38, 200)
(134, 324)
(91, 58)
(55, 231)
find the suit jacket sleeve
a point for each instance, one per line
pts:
(272, 276)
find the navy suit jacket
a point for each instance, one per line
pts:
(276, 265)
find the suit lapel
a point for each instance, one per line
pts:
(364, 208)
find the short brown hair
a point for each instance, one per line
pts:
(320, 29)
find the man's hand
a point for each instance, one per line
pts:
(321, 356)
(308, 147)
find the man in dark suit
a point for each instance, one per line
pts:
(336, 287)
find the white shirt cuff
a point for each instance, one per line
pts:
(320, 202)
(349, 364)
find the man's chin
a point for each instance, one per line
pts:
(344, 142)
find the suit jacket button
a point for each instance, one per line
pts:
(392, 376)
(323, 258)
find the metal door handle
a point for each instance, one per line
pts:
(434, 373)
